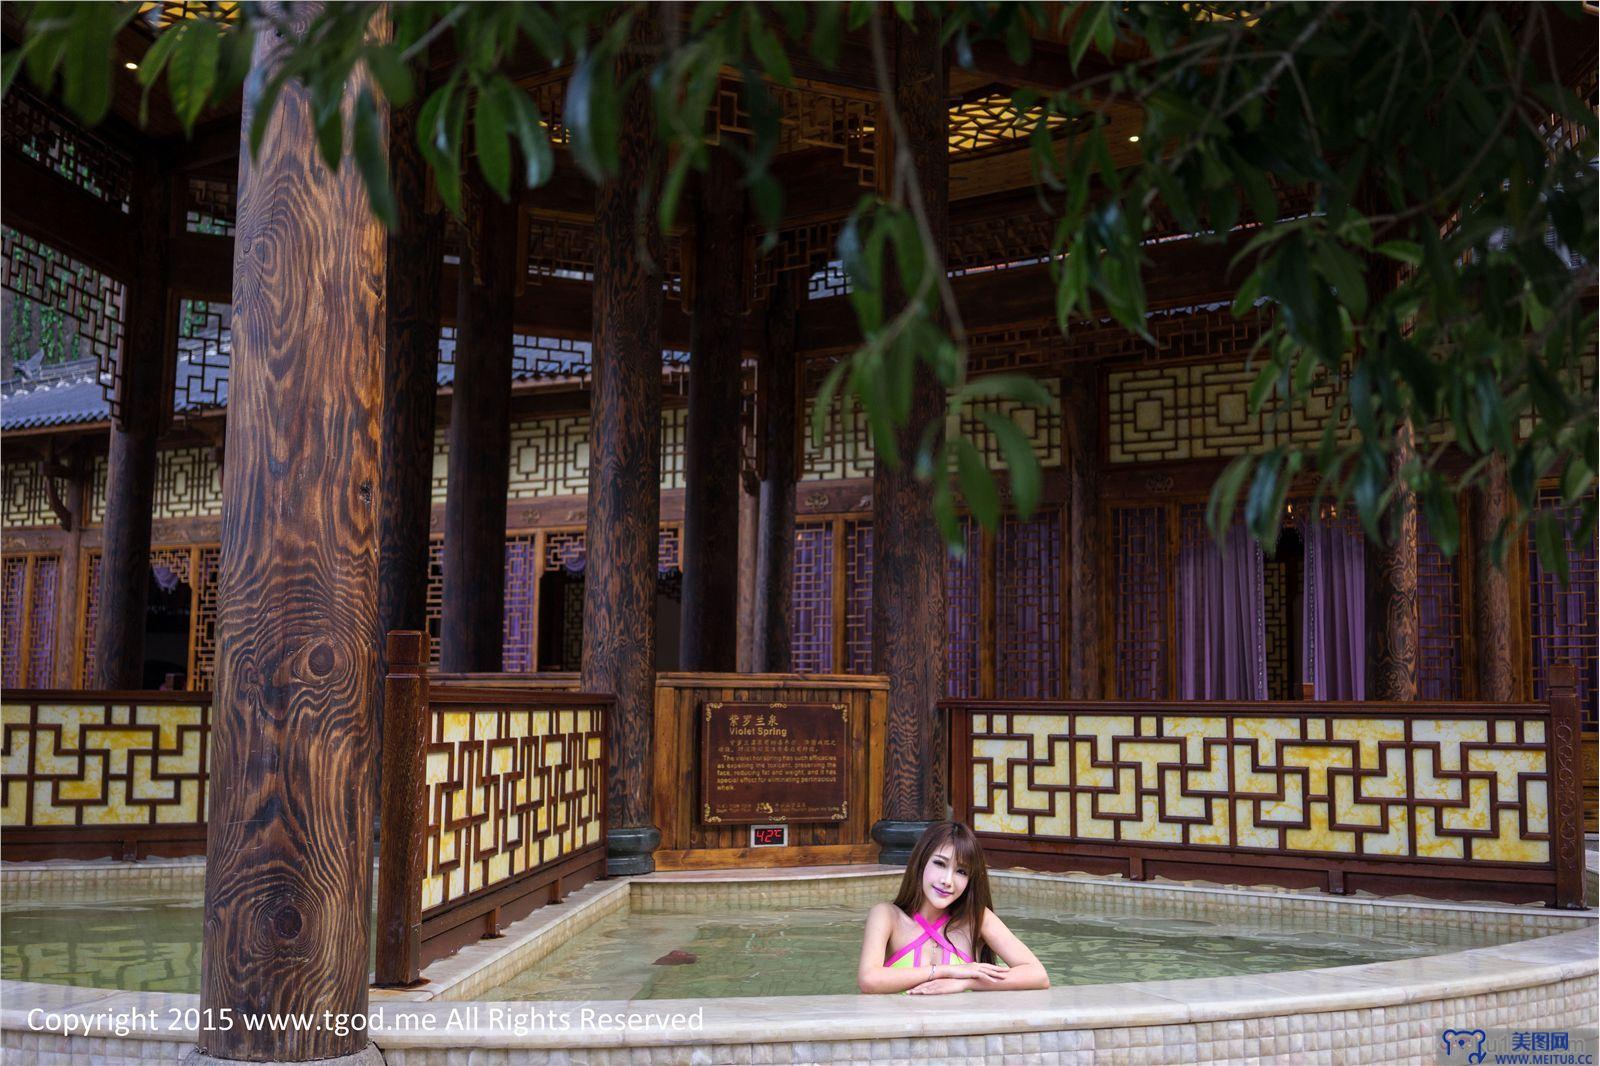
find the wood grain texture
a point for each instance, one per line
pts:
(774, 561)
(470, 634)
(403, 821)
(410, 383)
(72, 568)
(709, 633)
(908, 554)
(1080, 410)
(619, 632)
(289, 854)
(1491, 589)
(1392, 620)
(144, 403)
(1566, 787)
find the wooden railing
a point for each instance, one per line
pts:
(94, 774)
(1460, 800)
(494, 803)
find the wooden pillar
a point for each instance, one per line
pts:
(1392, 620)
(908, 620)
(470, 631)
(144, 403)
(1080, 409)
(1491, 589)
(774, 583)
(289, 848)
(709, 634)
(619, 632)
(410, 384)
(77, 478)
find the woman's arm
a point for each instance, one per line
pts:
(871, 974)
(1025, 970)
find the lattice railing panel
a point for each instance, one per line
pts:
(669, 549)
(86, 621)
(95, 764)
(1470, 787)
(210, 206)
(188, 484)
(89, 303)
(520, 606)
(811, 604)
(810, 118)
(205, 351)
(204, 653)
(1279, 641)
(1566, 619)
(1028, 610)
(14, 611)
(858, 597)
(963, 613)
(38, 132)
(26, 501)
(509, 789)
(434, 609)
(1140, 577)
(1439, 619)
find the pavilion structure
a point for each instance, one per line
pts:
(247, 432)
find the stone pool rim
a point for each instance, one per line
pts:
(1542, 961)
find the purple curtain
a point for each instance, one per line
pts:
(1335, 609)
(1222, 618)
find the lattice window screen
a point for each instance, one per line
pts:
(435, 602)
(205, 351)
(1565, 623)
(29, 593)
(1028, 608)
(89, 303)
(26, 503)
(811, 628)
(181, 561)
(963, 612)
(1140, 581)
(1439, 605)
(521, 603)
(204, 653)
(1279, 639)
(858, 597)
(36, 131)
(210, 207)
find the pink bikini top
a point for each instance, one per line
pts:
(929, 933)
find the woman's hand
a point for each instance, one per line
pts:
(980, 972)
(942, 986)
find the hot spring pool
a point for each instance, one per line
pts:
(642, 954)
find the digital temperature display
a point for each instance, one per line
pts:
(769, 836)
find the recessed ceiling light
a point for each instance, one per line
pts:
(1134, 139)
(131, 65)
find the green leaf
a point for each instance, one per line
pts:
(537, 160)
(330, 138)
(192, 71)
(825, 34)
(672, 189)
(769, 53)
(1551, 542)
(11, 63)
(373, 162)
(1444, 521)
(390, 73)
(977, 484)
(489, 138)
(1027, 481)
(1576, 479)
(1408, 252)
(944, 507)
(593, 115)
(1223, 502)
(1344, 272)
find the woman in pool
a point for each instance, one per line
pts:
(939, 934)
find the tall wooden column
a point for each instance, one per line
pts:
(709, 633)
(775, 524)
(410, 384)
(1392, 620)
(470, 632)
(619, 631)
(289, 849)
(908, 615)
(1080, 409)
(76, 484)
(1491, 591)
(144, 403)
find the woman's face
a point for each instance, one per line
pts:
(942, 880)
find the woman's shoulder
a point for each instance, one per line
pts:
(884, 910)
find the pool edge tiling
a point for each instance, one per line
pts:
(1382, 1012)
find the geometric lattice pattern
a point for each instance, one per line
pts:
(858, 597)
(1028, 607)
(963, 612)
(1139, 589)
(521, 598)
(1566, 618)
(188, 485)
(89, 301)
(203, 624)
(205, 346)
(1164, 412)
(1439, 666)
(186, 563)
(38, 132)
(845, 451)
(811, 604)
(210, 206)
(26, 501)
(508, 789)
(991, 122)
(29, 591)
(808, 118)
(1279, 629)
(97, 764)
(1471, 786)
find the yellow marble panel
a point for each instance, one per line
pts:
(1449, 733)
(1425, 782)
(1533, 732)
(1249, 833)
(1430, 844)
(1318, 836)
(1084, 773)
(1000, 821)
(1369, 733)
(1215, 832)
(1397, 841)
(1194, 732)
(1473, 816)
(1150, 829)
(1392, 785)
(1178, 803)
(1316, 759)
(1538, 801)
(1346, 811)
(456, 727)
(1506, 765)
(1508, 845)
(1089, 825)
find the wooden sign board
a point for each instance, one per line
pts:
(774, 762)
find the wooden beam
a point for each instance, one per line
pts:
(50, 209)
(1392, 620)
(470, 633)
(293, 741)
(201, 266)
(619, 631)
(780, 435)
(1080, 411)
(709, 631)
(1494, 675)
(908, 616)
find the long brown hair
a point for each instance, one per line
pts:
(969, 907)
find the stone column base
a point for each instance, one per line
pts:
(630, 850)
(896, 839)
(367, 1056)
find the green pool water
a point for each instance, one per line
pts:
(152, 943)
(814, 952)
